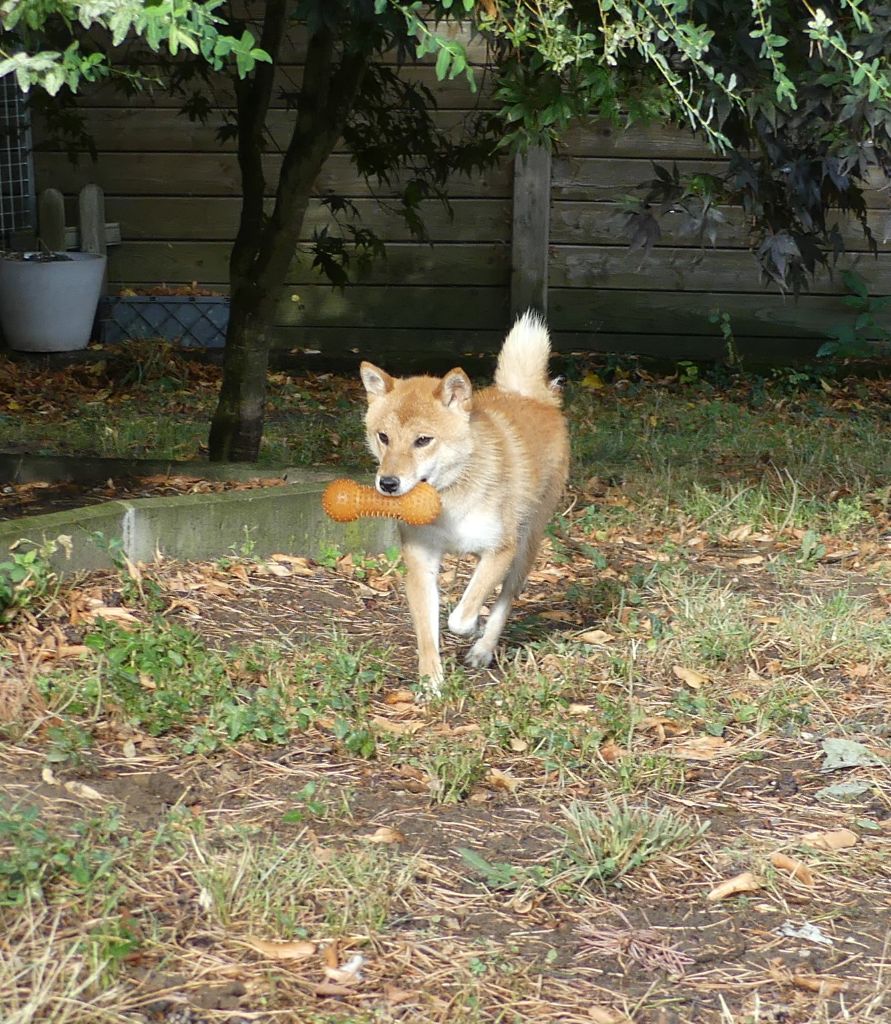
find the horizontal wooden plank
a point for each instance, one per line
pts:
(208, 262)
(454, 94)
(146, 129)
(669, 347)
(597, 178)
(754, 314)
(162, 130)
(397, 348)
(599, 137)
(405, 350)
(578, 310)
(698, 270)
(178, 218)
(149, 174)
(396, 306)
(593, 223)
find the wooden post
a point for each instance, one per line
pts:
(531, 226)
(51, 220)
(91, 217)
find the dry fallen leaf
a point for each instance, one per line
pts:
(399, 697)
(498, 779)
(745, 882)
(825, 985)
(82, 791)
(273, 569)
(600, 1015)
(578, 710)
(122, 616)
(595, 636)
(299, 565)
(794, 868)
(701, 748)
(349, 973)
(689, 676)
(397, 728)
(839, 839)
(330, 988)
(72, 650)
(239, 572)
(738, 533)
(275, 950)
(394, 995)
(384, 834)
(611, 752)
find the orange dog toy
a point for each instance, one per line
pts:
(345, 500)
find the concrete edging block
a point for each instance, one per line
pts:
(260, 521)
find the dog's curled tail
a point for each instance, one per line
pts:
(523, 360)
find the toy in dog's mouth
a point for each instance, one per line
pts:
(345, 500)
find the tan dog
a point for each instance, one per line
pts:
(499, 459)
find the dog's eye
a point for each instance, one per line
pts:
(382, 437)
(422, 442)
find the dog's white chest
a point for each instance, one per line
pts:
(473, 531)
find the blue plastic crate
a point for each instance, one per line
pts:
(192, 321)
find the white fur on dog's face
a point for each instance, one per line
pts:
(418, 428)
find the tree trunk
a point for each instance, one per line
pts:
(263, 250)
(237, 426)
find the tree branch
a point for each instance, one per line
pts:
(326, 99)
(252, 99)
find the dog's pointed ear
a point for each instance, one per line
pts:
(455, 389)
(377, 382)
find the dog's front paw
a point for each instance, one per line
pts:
(430, 680)
(461, 626)
(479, 656)
(427, 690)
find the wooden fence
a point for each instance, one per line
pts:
(548, 231)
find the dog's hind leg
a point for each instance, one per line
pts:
(480, 655)
(491, 570)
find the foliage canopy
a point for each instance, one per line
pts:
(798, 96)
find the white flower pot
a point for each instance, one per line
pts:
(49, 305)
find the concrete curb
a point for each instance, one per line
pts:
(260, 521)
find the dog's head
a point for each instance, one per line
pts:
(418, 428)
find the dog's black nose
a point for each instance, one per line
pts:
(389, 484)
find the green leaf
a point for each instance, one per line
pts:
(443, 60)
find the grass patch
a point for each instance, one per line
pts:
(604, 845)
(834, 629)
(38, 859)
(259, 887)
(163, 679)
(711, 623)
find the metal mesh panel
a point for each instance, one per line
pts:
(17, 207)
(190, 321)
